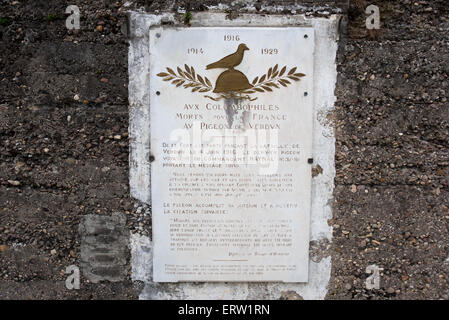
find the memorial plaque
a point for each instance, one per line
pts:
(231, 135)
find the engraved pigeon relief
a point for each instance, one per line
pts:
(231, 60)
(231, 83)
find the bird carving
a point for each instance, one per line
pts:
(230, 61)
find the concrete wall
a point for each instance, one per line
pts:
(64, 144)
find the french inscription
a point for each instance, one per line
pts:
(231, 184)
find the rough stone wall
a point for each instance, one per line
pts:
(391, 205)
(64, 148)
(63, 142)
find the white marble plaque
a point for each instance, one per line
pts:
(231, 134)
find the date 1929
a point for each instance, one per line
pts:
(269, 51)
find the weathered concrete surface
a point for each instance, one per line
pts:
(141, 253)
(60, 150)
(391, 196)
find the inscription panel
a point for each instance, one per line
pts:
(231, 134)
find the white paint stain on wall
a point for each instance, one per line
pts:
(326, 38)
(141, 253)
